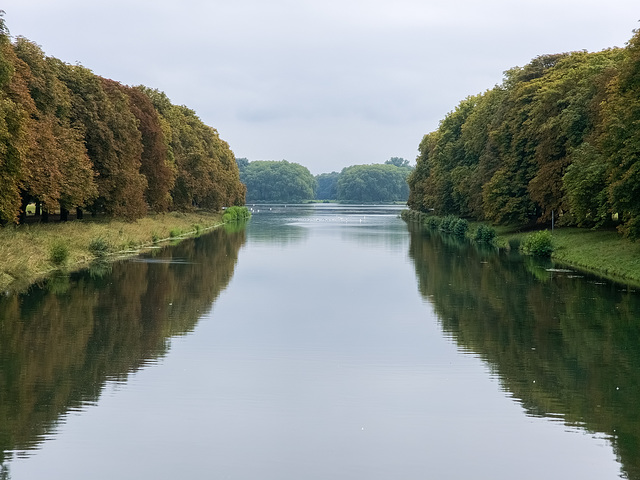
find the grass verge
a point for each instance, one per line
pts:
(602, 252)
(30, 252)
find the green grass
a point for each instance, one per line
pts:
(31, 251)
(602, 252)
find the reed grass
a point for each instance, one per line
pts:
(29, 252)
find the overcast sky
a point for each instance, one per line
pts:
(328, 83)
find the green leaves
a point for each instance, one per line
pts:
(69, 138)
(278, 181)
(373, 183)
(560, 137)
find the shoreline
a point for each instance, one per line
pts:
(31, 252)
(604, 253)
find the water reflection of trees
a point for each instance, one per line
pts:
(564, 346)
(62, 341)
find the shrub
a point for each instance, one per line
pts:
(99, 247)
(447, 223)
(59, 253)
(538, 244)
(459, 227)
(432, 222)
(234, 214)
(175, 232)
(485, 234)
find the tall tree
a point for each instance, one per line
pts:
(621, 140)
(15, 128)
(156, 164)
(57, 167)
(207, 174)
(102, 112)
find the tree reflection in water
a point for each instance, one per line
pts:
(564, 344)
(61, 341)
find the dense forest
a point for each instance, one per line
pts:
(72, 139)
(559, 138)
(282, 181)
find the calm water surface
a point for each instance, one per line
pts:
(321, 342)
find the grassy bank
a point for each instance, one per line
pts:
(30, 252)
(603, 252)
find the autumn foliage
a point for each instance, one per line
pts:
(558, 139)
(70, 139)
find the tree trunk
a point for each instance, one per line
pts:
(64, 214)
(23, 210)
(79, 213)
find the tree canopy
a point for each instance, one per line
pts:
(278, 181)
(373, 183)
(559, 136)
(69, 138)
(327, 186)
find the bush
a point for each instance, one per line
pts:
(447, 223)
(460, 227)
(539, 244)
(175, 232)
(485, 234)
(59, 253)
(432, 222)
(234, 214)
(99, 247)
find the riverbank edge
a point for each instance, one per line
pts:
(604, 253)
(29, 253)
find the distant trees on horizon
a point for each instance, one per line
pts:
(276, 181)
(282, 181)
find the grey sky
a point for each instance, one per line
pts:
(326, 83)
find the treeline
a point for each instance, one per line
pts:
(282, 181)
(385, 182)
(276, 181)
(72, 139)
(559, 138)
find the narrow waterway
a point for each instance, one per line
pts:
(321, 342)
